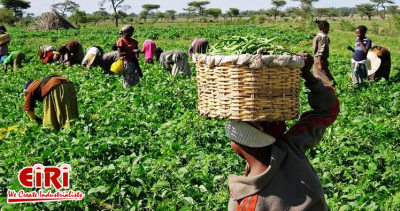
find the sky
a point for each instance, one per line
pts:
(40, 6)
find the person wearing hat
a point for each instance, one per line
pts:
(93, 53)
(177, 58)
(359, 69)
(278, 175)
(15, 58)
(71, 53)
(128, 49)
(382, 58)
(59, 101)
(46, 53)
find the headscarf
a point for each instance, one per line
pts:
(25, 87)
(125, 29)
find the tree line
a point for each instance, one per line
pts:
(12, 11)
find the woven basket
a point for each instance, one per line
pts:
(249, 87)
(4, 38)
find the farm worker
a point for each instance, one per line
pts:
(71, 53)
(107, 60)
(15, 58)
(176, 58)
(46, 53)
(128, 50)
(199, 45)
(278, 175)
(384, 68)
(359, 60)
(92, 53)
(321, 53)
(4, 45)
(59, 101)
(148, 49)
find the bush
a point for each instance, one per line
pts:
(259, 19)
(346, 26)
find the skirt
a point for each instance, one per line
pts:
(325, 74)
(60, 107)
(131, 75)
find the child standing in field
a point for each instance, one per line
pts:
(278, 175)
(321, 54)
(359, 60)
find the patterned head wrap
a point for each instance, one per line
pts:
(125, 29)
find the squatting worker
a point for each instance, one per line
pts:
(15, 59)
(128, 50)
(59, 101)
(176, 58)
(71, 53)
(46, 53)
(199, 45)
(321, 44)
(278, 175)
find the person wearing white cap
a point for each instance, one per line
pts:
(278, 175)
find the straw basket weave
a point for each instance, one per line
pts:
(249, 87)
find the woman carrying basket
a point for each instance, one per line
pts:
(278, 175)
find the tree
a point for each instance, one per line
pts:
(233, 12)
(199, 6)
(306, 6)
(17, 6)
(323, 12)
(78, 16)
(66, 6)
(277, 4)
(381, 3)
(170, 15)
(115, 4)
(143, 15)
(393, 10)
(366, 10)
(190, 12)
(7, 16)
(147, 8)
(102, 13)
(215, 12)
(158, 16)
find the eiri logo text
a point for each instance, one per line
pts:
(40, 176)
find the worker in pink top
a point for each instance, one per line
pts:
(148, 49)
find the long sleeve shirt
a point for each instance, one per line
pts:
(321, 45)
(179, 61)
(290, 182)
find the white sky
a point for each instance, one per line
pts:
(40, 6)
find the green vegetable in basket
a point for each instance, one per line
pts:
(243, 45)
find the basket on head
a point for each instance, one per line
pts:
(4, 38)
(249, 87)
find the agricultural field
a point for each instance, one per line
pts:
(147, 149)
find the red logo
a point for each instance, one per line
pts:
(40, 176)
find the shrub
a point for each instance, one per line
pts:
(346, 26)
